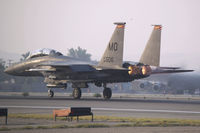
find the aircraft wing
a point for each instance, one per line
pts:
(73, 66)
(65, 63)
(160, 70)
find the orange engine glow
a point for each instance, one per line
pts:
(146, 70)
(139, 70)
(134, 70)
(130, 68)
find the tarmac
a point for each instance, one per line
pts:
(148, 107)
(121, 107)
(115, 130)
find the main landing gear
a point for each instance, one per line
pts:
(107, 92)
(77, 93)
(50, 93)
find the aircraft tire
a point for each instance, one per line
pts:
(142, 85)
(107, 93)
(50, 93)
(77, 93)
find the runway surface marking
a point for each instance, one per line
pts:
(107, 109)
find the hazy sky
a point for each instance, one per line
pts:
(26, 25)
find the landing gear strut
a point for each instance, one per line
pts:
(50, 93)
(77, 93)
(107, 93)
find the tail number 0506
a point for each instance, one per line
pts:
(108, 59)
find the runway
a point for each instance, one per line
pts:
(115, 107)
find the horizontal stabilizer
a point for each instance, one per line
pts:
(170, 67)
(162, 70)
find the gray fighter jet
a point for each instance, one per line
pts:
(59, 70)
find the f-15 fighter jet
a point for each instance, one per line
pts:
(59, 70)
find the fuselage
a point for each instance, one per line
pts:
(84, 71)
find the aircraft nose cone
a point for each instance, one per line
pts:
(7, 70)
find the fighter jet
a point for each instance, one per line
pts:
(58, 70)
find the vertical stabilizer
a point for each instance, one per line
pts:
(113, 55)
(151, 54)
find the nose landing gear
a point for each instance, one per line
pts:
(77, 93)
(50, 93)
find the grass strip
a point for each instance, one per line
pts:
(100, 125)
(122, 120)
(95, 125)
(31, 116)
(4, 129)
(26, 128)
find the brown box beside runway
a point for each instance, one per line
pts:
(73, 111)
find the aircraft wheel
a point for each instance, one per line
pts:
(107, 93)
(77, 93)
(142, 85)
(50, 93)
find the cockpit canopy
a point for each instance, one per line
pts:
(44, 52)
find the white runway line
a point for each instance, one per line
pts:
(146, 110)
(34, 107)
(107, 109)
